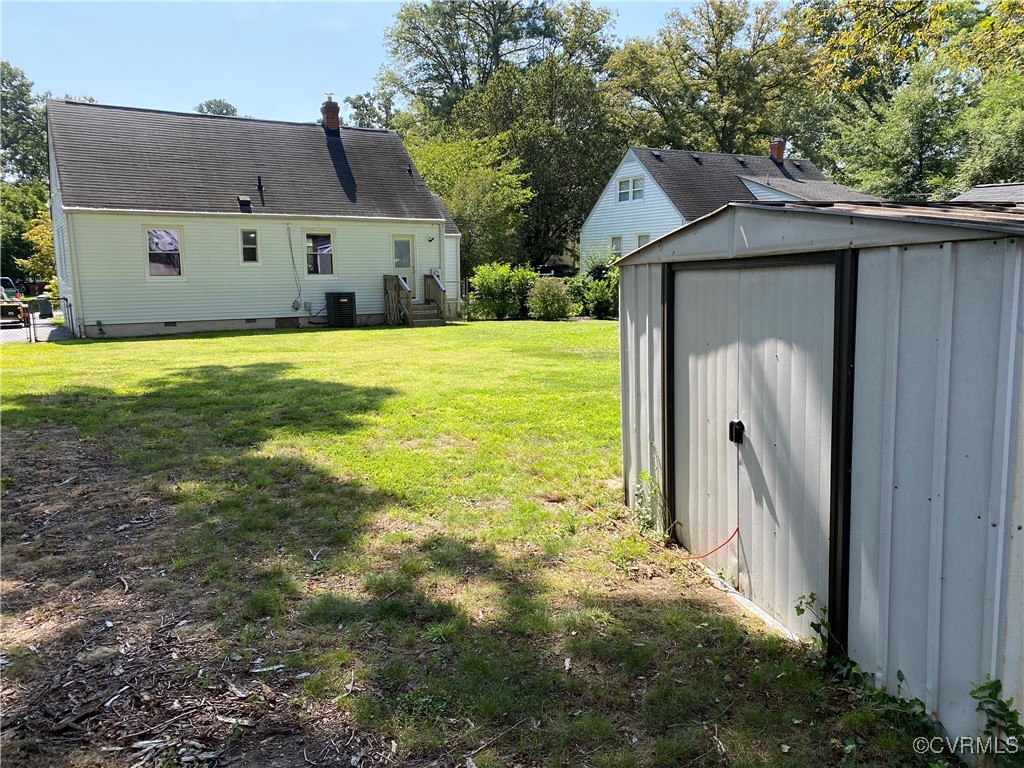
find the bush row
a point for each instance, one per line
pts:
(502, 292)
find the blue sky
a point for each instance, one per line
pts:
(271, 60)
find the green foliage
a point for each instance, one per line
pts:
(23, 154)
(374, 109)
(713, 79)
(557, 122)
(549, 299)
(500, 292)
(485, 192)
(649, 503)
(216, 107)
(18, 207)
(993, 135)
(1002, 723)
(820, 626)
(41, 263)
(906, 148)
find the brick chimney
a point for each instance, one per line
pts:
(331, 111)
(777, 149)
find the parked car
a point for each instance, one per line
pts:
(12, 307)
(556, 270)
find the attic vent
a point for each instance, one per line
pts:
(244, 204)
(741, 161)
(798, 166)
(657, 155)
(697, 160)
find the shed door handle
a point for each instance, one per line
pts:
(736, 430)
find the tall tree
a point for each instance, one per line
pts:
(23, 154)
(484, 193)
(18, 206)
(993, 131)
(373, 109)
(216, 107)
(41, 264)
(712, 80)
(908, 147)
(557, 121)
(443, 49)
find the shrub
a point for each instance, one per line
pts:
(550, 300)
(499, 291)
(602, 296)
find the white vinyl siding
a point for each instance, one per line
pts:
(115, 290)
(61, 242)
(452, 270)
(654, 215)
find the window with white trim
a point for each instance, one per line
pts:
(616, 245)
(164, 252)
(319, 254)
(642, 240)
(250, 247)
(631, 189)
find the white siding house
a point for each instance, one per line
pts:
(170, 223)
(619, 224)
(842, 386)
(654, 191)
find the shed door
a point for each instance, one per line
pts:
(755, 345)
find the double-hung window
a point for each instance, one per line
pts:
(164, 252)
(250, 247)
(631, 189)
(617, 246)
(319, 254)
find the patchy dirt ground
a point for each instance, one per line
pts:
(103, 664)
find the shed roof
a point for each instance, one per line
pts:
(121, 158)
(742, 229)
(698, 183)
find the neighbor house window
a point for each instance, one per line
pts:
(631, 189)
(617, 245)
(319, 254)
(642, 240)
(164, 252)
(250, 247)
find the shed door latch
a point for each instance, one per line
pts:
(736, 430)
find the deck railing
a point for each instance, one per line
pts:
(434, 293)
(397, 300)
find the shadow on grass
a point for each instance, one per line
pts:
(446, 645)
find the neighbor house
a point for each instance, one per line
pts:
(167, 222)
(654, 191)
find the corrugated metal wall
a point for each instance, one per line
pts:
(935, 533)
(643, 444)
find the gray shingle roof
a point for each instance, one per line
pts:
(1012, 192)
(698, 183)
(139, 159)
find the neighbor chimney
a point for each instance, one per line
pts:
(331, 110)
(776, 149)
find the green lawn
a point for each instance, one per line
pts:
(418, 519)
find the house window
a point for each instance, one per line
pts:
(631, 189)
(250, 247)
(164, 252)
(642, 240)
(617, 246)
(319, 254)
(403, 252)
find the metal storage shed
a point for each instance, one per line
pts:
(842, 383)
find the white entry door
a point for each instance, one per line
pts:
(403, 253)
(754, 346)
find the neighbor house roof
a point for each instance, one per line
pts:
(698, 183)
(139, 159)
(1012, 192)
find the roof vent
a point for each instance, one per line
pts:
(798, 166)
(741, 161)
(697, 160)
(245, 204)
(657, 155)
